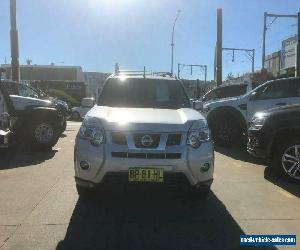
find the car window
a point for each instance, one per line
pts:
(235, 90)
(211, 95)
(293, 87)
(273, 90)
(27, 91)
(144, 93)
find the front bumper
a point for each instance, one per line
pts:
(5, 138)
(257, 145)
(102, 163)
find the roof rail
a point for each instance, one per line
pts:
(144, 73)
(131, 72)
(163, 73)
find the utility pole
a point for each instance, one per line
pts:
(191, 66)
(251, 51)
(264, 42)
(218, 70)
(275, 16)
(298, 49)
(172, 43)
(14, 41)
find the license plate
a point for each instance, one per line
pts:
(146, 175)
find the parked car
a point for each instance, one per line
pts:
(28, 119)
(275, 135)
(224, 91)
(24, 96)
(229, 118)
(5, 133)
(144, 130)
(79, 112)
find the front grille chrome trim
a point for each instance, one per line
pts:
(165, 140)
(146, 155)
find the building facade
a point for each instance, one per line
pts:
(273, 63)
(65, 82)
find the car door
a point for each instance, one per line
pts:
(294, 90)
(269, 95)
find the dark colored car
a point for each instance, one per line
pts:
(274, 135)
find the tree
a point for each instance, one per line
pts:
(229, 76)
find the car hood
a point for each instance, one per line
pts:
(22, 103)
(223, 102)
(283, 109)
(115, 118)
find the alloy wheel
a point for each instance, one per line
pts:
(291, 161)
(43, 133)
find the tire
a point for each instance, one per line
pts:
(64, 125)
(200, 193)
(75, 116)
(43, 134)
(84, 192)
(226, 131)
(285, 162)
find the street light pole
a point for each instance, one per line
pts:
(172, 44)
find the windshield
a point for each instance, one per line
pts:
(144, 93)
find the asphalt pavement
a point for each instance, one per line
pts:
(40, 208)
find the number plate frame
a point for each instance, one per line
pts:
(146, 174)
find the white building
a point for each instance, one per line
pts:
(94, 83)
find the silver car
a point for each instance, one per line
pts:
(143, 130)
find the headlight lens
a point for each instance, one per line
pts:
(198, 133)
(258, 120)
(93, 133)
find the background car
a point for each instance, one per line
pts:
(79, 112)
(228, 118)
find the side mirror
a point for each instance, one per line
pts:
(192, 103)
(198, 104)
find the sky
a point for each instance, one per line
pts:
(96, 34)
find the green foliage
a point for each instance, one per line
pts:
(60, 94)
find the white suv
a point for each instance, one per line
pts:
(143, 130)
(228, 119)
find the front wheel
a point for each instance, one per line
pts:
(286, 159)
(75, 116)
(43, 135)
(226, 131)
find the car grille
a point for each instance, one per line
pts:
(146, 155)
(139, 137)
(119, 138)
(174, 139)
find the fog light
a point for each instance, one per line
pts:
(205, 167)
(255, 141)
(85, 165)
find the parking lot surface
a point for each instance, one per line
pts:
(40, 208)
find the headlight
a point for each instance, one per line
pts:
(198, 133)
(258, 120)
(92, 132)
